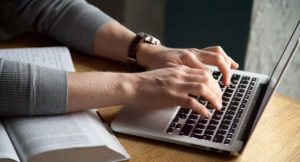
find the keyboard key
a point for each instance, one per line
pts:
(228, 117)
(209, 132)
(234, 103)
(232, 108)
(194, 113)
(202, 121)
(213, 122)
(226, 142)
(235, 77)
(200, 126)
(218, 138)
(190, 122)
(227, 94)
(224, 103)
(231, 131)
(245, 78)
(224, 98)
(221, 132)
(198, 131)
(218, 113)
(193, 116)
(227, 122)
(176, 119)
(178, 126)
(236, 120)
(210, 106)
(211, 127)
(182, 116)
(229, 136)
(216, 117)
(173, 124)
(186, 130)
(197, 136)
(170, 130)
(229, 90)
(230, 112)
(224, 126)
(207, 137)
(184, 110)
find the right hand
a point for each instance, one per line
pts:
(169, 87)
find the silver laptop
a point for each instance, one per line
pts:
(228, 130)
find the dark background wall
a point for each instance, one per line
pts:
(205, 23)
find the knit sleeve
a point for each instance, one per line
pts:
(27, 89)
(72, 22)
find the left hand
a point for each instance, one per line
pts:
(157, 56)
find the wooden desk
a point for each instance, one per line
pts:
(276, 137)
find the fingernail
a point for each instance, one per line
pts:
(237, 65)
(219, 106)
(208, 114)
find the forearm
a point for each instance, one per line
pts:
(28, 89)
(112, 41)
(88, 90)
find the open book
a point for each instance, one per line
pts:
(74, 137)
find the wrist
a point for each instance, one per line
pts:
(126, 88)
(147, 54)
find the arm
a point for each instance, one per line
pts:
(111, 40)
(27, 89)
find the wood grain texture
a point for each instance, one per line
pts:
(276, 137)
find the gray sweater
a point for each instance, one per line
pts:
(27, 89)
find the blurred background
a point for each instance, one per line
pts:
(252, 32)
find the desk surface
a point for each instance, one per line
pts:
(276, 137)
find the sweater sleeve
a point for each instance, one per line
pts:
(72, 22)
(28, 89)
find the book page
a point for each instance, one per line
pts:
(34, 135)
(7, 150)
(52, 57)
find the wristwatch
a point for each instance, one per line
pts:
(134, 46)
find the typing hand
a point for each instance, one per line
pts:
(169, 87)
(156, 56)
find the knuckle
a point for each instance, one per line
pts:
(206, 72)
(200, 88)
(219, 58)
(205, 80)
(218, 48)
(177, 74)
(189, 101)
(186, 54)
(193, 49)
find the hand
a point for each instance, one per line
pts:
(170, 87)
(156, 56)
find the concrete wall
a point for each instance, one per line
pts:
(272, 24)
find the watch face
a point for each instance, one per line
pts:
(148, 38)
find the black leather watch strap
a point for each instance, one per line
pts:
(132, 51)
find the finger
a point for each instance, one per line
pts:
(207, 80)
(192, 61)
(202, 90)
(234, 64)
(212, 58)
(219, 50)
(193, 104)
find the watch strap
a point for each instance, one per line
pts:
(132, 51)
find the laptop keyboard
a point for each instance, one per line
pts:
(222, 125)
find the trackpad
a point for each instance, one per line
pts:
(142, 120)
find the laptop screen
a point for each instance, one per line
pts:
(281, 66)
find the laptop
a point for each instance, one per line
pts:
(228, 130)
